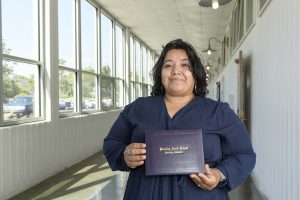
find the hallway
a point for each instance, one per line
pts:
(92, 179)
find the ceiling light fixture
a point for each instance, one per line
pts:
(208, 66)
(209, 50)
(213, 3)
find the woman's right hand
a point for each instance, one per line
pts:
(135, 154)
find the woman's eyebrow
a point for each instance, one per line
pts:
(184, 59)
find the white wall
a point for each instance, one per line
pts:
(274, 45)
(29, 153)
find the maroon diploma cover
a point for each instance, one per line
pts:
(171, 152)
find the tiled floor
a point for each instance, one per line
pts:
(92, 179)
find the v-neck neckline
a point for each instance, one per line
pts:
(179, 111)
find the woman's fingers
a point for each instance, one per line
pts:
(134, 154)
(208, 180)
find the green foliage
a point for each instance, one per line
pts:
(13, 84)
(66, 82)
(105, 70)
(88, 86)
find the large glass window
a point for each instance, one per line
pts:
(20, 29)
(88, 37)
(107, 93)
(131, 59)
(141, 62)
(119, 93)
(66, 34)
(89, 86)
(106, 46)
(67, 57)
(67, 91)
(137, 61)
(89, 92)
(119, 52)
(21, 89)
(20, 93)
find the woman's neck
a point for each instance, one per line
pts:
(175, 103)
(183, 100)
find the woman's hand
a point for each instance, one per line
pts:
(134, 154)
(207, 181)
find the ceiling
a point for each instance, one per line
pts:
(156, 22)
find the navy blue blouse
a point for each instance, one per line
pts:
(227, 147)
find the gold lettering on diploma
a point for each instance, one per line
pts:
(173, 150)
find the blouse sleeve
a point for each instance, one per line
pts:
(117, 140)
(238, 155)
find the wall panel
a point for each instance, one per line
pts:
(274, 45)
(29, 153)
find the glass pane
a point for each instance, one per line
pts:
(119, 93)
(262, 3)
(106, 46)
(21, 90)
(66, 91)
(131, 59)
(132, 96)
(144, 66)
(149, 63)
(137, 90)
(119, 52)
(20, 28)
(107, 94)
(66, 33)
(145, 90)
(249, 14)
(88, 37)
(89, 93)
(137, 61)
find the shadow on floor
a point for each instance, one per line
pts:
(92, 179)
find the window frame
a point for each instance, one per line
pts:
(40, 64)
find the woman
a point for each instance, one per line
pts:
(178, 102)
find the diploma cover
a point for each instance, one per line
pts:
(171, 152)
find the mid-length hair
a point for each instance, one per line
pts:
(197, 69)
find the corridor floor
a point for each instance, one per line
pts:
(92, 179)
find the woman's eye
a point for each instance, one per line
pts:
(185, 65)
(167, 65)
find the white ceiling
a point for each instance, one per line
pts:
(156, 22)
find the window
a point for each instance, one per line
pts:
(106, 46)
(239, 25)
(119, 67)
(20, 62)
(249, 14)
(91, 59)
(262, 4)
(68, 73)
(89, 63)
(141, 62)
(112, 64)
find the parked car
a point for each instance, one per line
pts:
(65, 104)
(18, 107)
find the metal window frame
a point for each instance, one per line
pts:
(40, 63)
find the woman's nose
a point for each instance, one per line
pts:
(175, 69)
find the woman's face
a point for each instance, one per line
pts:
(176, 74)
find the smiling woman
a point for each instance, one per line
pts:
(178, 102)
(177, 77)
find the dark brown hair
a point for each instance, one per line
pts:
(197, 68)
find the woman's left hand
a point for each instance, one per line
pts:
(207, 180)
